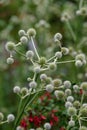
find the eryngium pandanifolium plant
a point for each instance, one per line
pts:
(72, 96)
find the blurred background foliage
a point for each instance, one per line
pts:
(45, 17)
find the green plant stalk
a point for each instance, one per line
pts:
(71, 30)
(80, 4)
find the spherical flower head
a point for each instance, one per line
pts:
(24, 39)
(78, 12)
(31, 32)
(67, 84)
(58, 36)
(49, 88)
(70, 98)
(59, 94)
(75, 88)
(37, 69)
(42, 61)
(71, 123)
(72, 111)
(47, 126)
(52, 66)
(81, 57)
(83, 111)
(58, 54)
(83, 11)
(65, 16)
(48, 80)
(83, 128)
(43, 77)
(10, 118)
(68, 104)
(24, 91)
(19, 128)
(32, 84)
(10, 60)
(65, 50)
(1, 116)
(16, 89)
(29, 54)
(68, 92)
(57, 82)
(76, 104)
(21, 32)
(10, 46)
(78, 63)
(84, 86)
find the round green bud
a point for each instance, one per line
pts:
(57, 82)
(83, 11)
(1, 116)
(31, 32)
(71, 111)
(59, 94)
(21, 32)
(49, 88)
(42, 61)
(29, 54)
(83, 111)
(52, 66)
(24, 39)
(83, 128)
(10, 60)
(10, 46)
(65, 50)
(48, 80)
(76, 104)
(71, 123)
(24, 91)
(84, 86)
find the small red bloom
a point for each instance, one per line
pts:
(37, 121)
(23, 124)
(81, 91)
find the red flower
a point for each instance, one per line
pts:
(23, 124)
(37, 121)
(81, 91)
(42, 118)
(30, 118)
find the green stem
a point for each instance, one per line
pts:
(63, 62)
(71, 30)
(19, 53)
(80, 4)
(35, 48)
(3, 122)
